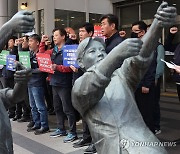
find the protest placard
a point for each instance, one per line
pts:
(24, 58)
(10, 62)
(97, 32)
(3, 56)
(44, 62)
(69, 55)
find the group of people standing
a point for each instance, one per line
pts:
(58, 86)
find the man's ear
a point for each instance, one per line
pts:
(143, 32)
(91, 34)
(113, 26)
(63, 37)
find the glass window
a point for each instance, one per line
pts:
(73, 19)
(129, 14)
(94, 18)
(41, 21)
(148, 10)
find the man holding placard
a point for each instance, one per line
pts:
(61, 82)
(36, 91)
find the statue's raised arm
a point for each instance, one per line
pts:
(21, 22)
(104, 94)
(164, 17)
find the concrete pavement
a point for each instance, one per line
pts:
(28, 143)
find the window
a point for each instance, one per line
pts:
(94, 18)
(41, 21)
(148, 10)
(129, 14)
(73, 19)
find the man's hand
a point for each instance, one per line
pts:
(73, 68)
(122, 33)
(18, 41)
(44, 38)
(73, 36)
(173, 30)
(53, 67)
(166, 15)
(177, 69)
(21, 22)
(145, 90)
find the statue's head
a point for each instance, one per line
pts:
(90, 51)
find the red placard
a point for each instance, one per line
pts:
(97, 32)
(44, 62)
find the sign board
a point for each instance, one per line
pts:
(24, 58)
(3, 56)
(69, 55)
(10, 62)
(98, 33)
(44, 62)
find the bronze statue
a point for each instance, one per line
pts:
(104, 95)
(21, 22)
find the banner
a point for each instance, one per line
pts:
(44, 62)
(24, 58)
(10, 62)
(97, 32)
(69, 55)
(3, 56)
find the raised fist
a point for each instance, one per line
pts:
(44, 38)
(130, 47)
(166, 15)
(22, 74)
(21, 22)
(173, 30)
(122, 33)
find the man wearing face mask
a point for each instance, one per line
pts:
(144, 94)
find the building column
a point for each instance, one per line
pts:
(3, 12)
(49, 15)
(7, 9)
(87, 10)
(12, 7)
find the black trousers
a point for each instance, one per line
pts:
(63, 105)
(145, 103)
(48, 95)
(178, 91)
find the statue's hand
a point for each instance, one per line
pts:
(22, 22)
(22, 74)
(130, 47)
(166, 15)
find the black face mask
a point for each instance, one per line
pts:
(134, 35)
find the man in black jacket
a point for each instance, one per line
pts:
(86, 30)
(36, 90)
(144, 94)
(109, 28)
(176, 49)
(61, 82)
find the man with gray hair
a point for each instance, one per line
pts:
(104, 95)
(21, 22)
